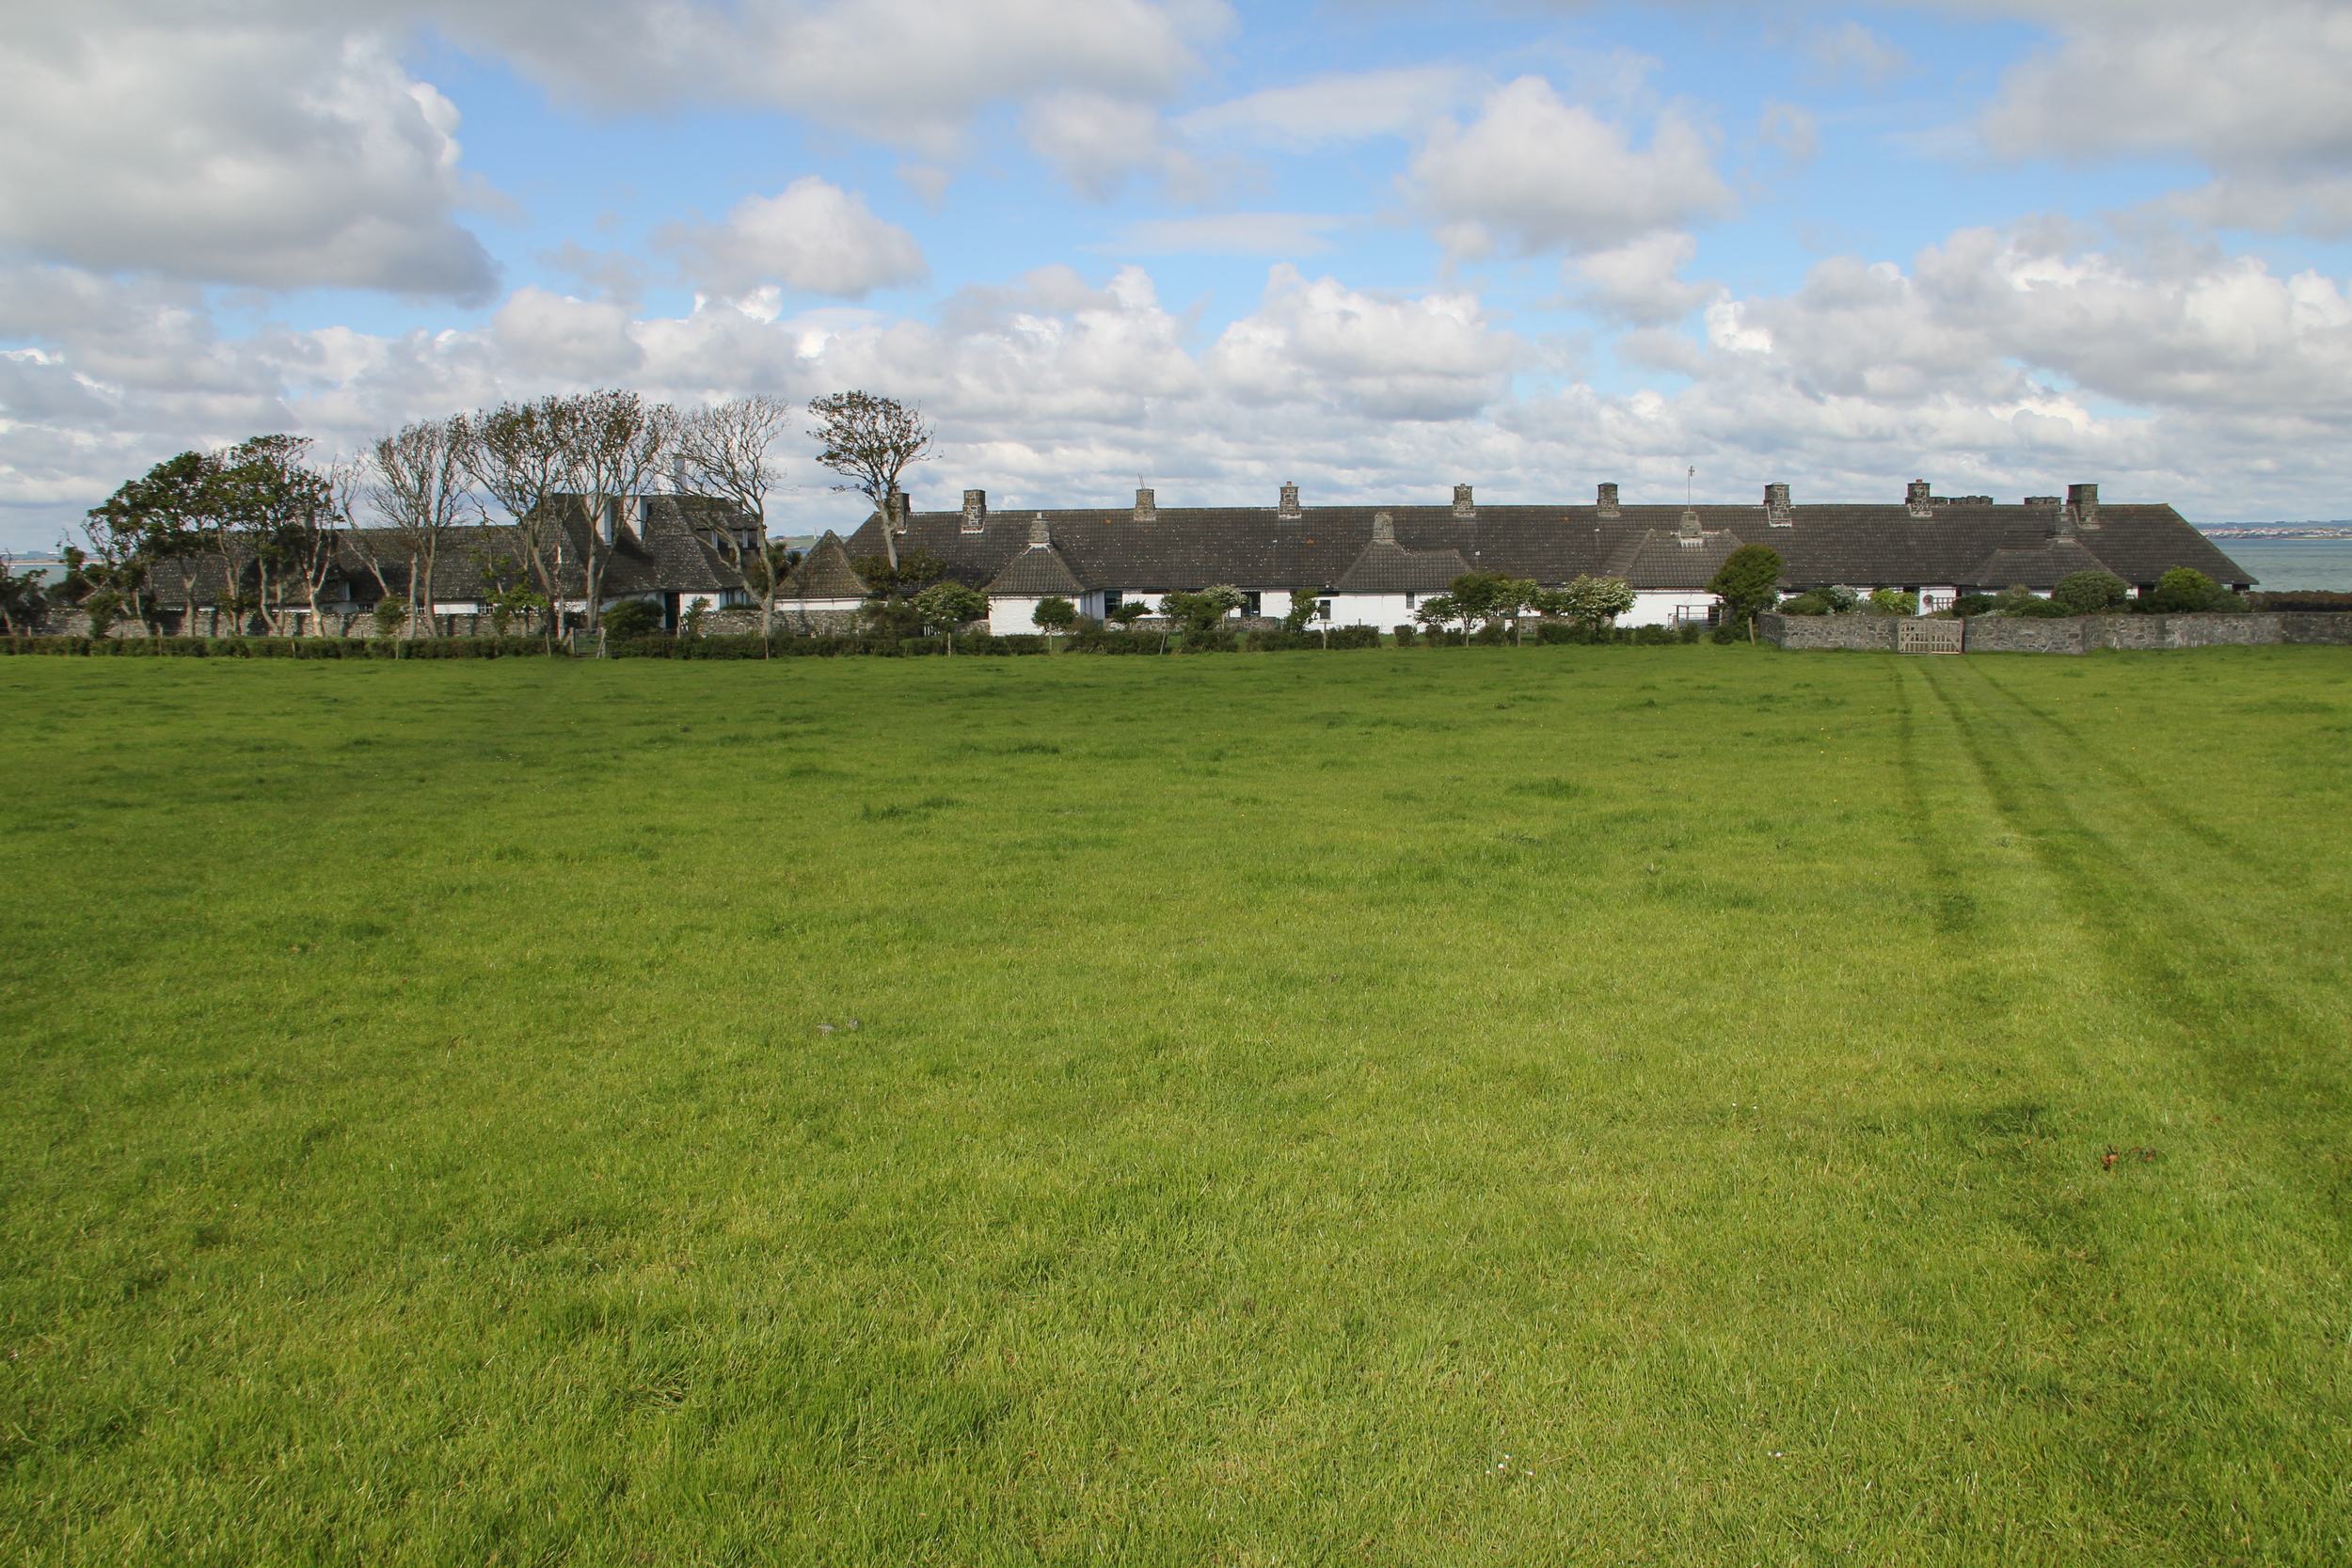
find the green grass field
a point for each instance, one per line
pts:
(1552, 1106)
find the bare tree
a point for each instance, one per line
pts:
(722, 451)
(871, 441)
(620, 441)
(525, 455)
(418, 483)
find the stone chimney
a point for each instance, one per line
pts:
(1919, 497)
(2082, 506)
(1147, 506)
(1690, 533)
(1606, 500)
(1289, 508)
(1462, 507)
(1776, 512)
(1041, 537)
(1383, 528)
(975, 511)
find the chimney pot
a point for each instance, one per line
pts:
(1147, 506)
(1605, 501)
(1290, 502)
(975, 511)
(1462, 507)
(1918, 497)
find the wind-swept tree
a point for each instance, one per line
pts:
(418, 483)
(525, 455)
(722, 451)
(280, 512)
(622, 442)
(870, 442)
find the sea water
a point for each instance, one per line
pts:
(2286, 565)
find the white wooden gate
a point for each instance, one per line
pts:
(1923, 636)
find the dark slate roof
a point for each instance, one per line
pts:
(1039, 571)
(826, 573)
(1192, 548)
(1657, 558)
(1387, 567)
(2036, 559)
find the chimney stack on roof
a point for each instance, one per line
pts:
(1690, 533)
(1919, 496)
(1606, 500)
(1462, 507)
(1147, 506)
(1041, 537)
(1383, 528)
(1776, 512)
(2082, 506)
(1290, 502)
(975, 511)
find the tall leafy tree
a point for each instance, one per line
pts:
(1593, 602)
(722, 451)
(872, 441)
(945, 606)
(166, 514)
(1747, 583)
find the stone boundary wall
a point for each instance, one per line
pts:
(1991, 634)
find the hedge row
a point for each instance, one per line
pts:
(968, 645)
(2306, 600)
(276, 647)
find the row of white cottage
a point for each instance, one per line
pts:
(1375, 566)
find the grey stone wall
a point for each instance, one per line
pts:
(1992, 634)
(1863, 633)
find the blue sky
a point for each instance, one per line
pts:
(1377, 248)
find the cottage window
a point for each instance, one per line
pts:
(1411, 599)
(1249, 602)
(1112, 599)
(1323, 609)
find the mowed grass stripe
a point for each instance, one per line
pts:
(1283, 1087)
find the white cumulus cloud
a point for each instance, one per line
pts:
(812, 236)
(1534, 172)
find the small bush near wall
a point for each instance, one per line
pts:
(1972, 604)
(1405, 637)
(1804, 604)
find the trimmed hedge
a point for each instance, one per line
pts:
(276, 647)
(2304, 599)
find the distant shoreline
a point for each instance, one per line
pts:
(2275, 531)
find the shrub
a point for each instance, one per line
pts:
(1355, 637)
(1405, 636)
(2183, 591)
(2091, 593)
(1890, 601)
(2307, 600)
(1656, 637)
(391, 615)
(1839, 597)
(630, 618)
(1209, 639)
(1727, 632)
(1972, 604)
(2042, 609)
(1494, 634)
(1691, 631)
(1746, 580)
(1805, 604)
